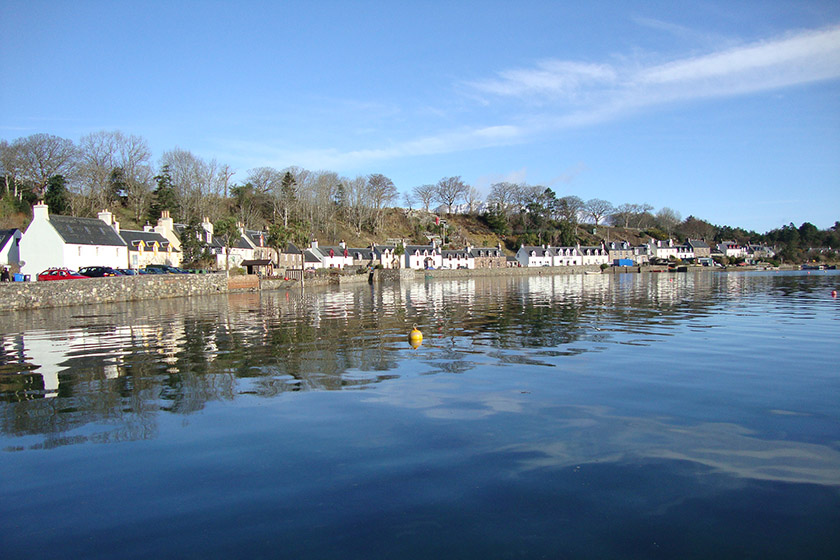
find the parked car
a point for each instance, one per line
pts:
(163, 269)
(99, 271)
(128, 271)
(58, 274)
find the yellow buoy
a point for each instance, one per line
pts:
(415, 337)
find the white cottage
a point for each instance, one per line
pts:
(420, 257)
(535, 255)
(454, 260)
(566, 256)
(65, 241)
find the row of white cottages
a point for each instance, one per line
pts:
(611, 253)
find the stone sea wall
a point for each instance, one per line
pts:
(60, 293)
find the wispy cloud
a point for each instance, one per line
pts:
(797, 59)
(574, 93)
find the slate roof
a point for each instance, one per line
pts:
(486, 252)
(697, 244)
(134, 237)
(254, 237)
(411, 249)
(361, 254)
(5, 236)
(86, 231)
(455, 253)
(538, 250)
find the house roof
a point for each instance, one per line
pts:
(254, 237)
(697, 244)
(539, 250)
(5, 236)
(134, 237)
(242, 243)
(412, 248)
(486, 252)
(456, 253)
(85, 231)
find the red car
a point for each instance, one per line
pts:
(59, 274)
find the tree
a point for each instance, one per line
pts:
(9, 167)
(194, 252)
(425, 194)
(164, 197)
(198, 184)
(570, 208)
(286, 197)
(449, 190)
(408, 200)
(473, 198)
(694, 228)
(667, 219)
(42, 156)
(382, 192)
(597, 209)
(57, 197)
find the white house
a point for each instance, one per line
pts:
(567, 256)
(535, 255)
(65, 241)
(453, 260)
(663, 250)
(685, 252)
(420, 257)
(732, 249)
(10, 247)
(594, 255)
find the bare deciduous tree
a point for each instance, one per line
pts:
(473, 198)
(425, 194)
(504, 197)
(667, 219)
(382, 192)
(597, 209)
(570, 208)
(42, 156)
(450, 190)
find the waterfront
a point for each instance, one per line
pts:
(690, 415)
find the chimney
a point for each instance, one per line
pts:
(314, 244)
(40, 211)
(106, 217)
(342, 244)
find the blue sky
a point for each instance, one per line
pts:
(727, 111)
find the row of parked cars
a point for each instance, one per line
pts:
(102, 271)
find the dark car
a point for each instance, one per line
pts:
(163, 269)
(99, 271)
(59, 274)
(128, 271)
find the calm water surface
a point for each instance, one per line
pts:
(661, 416)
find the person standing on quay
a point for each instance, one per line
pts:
(4, 276)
